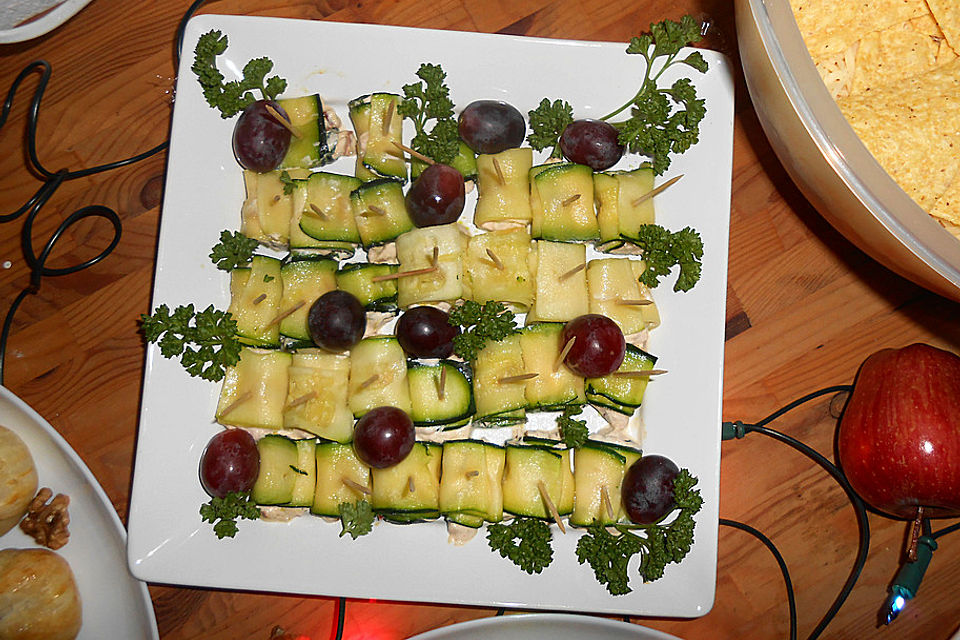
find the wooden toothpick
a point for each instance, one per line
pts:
(276, 115)
(305, 398)
(243, 397)
(373, 210)
(410, 484)
(414, 153)
(605, 499)
(472, 474)
(639, 374)
(500, 178)
(518, 378)
(496, 260)
(563, 353)
(356, 486)
(320, 212)
(288, 312)
(403, 274)
(388, 119)
(369, 381)
(570, 200)
(575, 270)
(633, 302)
(435, 257)
(442, 383)
(656, 191)
(552, 508)
(260, 298)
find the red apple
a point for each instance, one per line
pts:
(899, 437)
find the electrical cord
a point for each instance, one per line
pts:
(739, 429)
(768, 543)
(51, 181)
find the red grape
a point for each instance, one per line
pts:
(436, 197)
(491, 126)
(259, 141)
(229, 463)
(336, 321)
(594, 143)
(383, 437)
(599, 346)
(647, 489)
(426, 332)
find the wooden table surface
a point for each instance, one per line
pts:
(804, 309)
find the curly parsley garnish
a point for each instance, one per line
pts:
(356, 518)
(608, 554)
(547, 122)
(479, 325)
(233, 251)
(523, 541)
(663, 120)
(662, 249)
(223, 512)
(573, 432)
(430, 100)
(206, 341)
(232, 97)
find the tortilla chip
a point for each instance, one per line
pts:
(837, 72)
(952, 228)
(901, 51)
(947, 206)
(947, 15)
(912, 128)
(830, 27)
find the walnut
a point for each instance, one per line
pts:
(47, 521)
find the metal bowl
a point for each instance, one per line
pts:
(827, 160)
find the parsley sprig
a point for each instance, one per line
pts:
(233, 251)
(547, 123)
(429, 100)
(223, 512)
(205, 341)
(232, 97)
(492, 321)
(573, 432)
(609, 554)
(663, 120)
(356, 518)
(662, 249)
(524, 541)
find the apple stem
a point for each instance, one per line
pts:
(915, 535)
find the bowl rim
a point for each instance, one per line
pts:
(842, 148)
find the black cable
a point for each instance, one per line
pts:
(768, 543)
(739, 430)
(341, 611)
(51, 181)
(942, 532)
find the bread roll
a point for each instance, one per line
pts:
(38, 596)
(18, 479)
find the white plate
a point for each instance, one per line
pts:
(115, 605)
(204, 191)
(14, 13)
(543, 626)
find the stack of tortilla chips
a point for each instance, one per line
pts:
(893, 68)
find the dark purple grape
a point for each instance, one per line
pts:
(594, 143)
(491, 126)
(436, 197)
(599, 346)
(229, 463)
(426, 332)
(647, 489)
(259, 141)
(336, 321)
(383, 437)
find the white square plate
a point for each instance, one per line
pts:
(168, 542)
